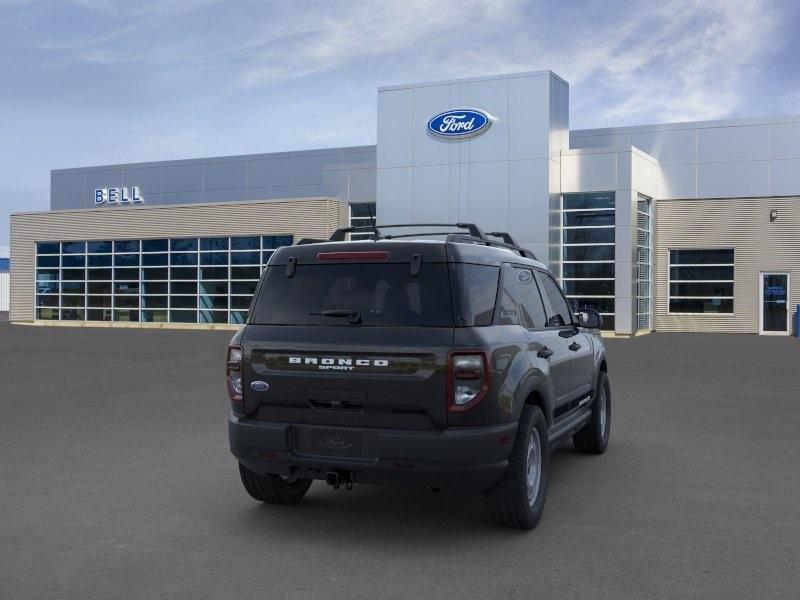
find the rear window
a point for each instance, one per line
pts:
(384, 295)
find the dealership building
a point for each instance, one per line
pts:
(672, 227)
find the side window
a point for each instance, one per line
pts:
(530, 301)
(507, 312)
(561, 313)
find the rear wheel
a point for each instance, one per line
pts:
(593, 438)
(273, 488)
(518, 500)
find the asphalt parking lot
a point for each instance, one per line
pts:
(116, 482)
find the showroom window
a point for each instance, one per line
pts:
(587, 268)
(168, 280)
(361, 215)
(644, 228)
(701, 281)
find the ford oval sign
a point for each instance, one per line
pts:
(459, 123)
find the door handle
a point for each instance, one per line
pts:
(574, 346)
(545, 352)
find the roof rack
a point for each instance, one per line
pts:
(473, 235)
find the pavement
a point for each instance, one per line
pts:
(116, 482)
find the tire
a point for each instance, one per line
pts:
(593, 438)
(517, 501)
(273, 488)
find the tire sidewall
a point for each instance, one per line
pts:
(602, 433)
(531, 513)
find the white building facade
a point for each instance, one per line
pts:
(675, 227)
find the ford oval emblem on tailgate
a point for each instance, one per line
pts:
(334, 443)
(259, 386)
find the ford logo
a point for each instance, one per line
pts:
(259, 386)
(334, 443)
(459, 123)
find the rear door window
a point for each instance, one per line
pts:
(382, 294)
(560, 313)
(531, 305)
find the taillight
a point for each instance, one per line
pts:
(468, 379)
(234, 378)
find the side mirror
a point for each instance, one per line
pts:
(589, 318)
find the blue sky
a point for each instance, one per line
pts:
(92, 82)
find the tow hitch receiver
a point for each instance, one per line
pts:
(339, 478)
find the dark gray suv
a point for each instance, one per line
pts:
(454, 363)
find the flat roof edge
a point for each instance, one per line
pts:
(168, 206)
(401, 86)
(215, 159)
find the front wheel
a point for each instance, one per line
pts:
(273, 489)
(593, 438)
(518, 499)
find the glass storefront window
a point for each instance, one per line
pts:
(183, 280)
(588, 226)
(701, 281)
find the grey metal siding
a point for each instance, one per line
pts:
(742, 224)
(335, 172)
(310, 217)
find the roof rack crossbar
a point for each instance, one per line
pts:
(473, 234)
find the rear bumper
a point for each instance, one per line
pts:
(458, 458)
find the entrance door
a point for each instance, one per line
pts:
(774, 302)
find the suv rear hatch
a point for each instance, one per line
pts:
(352, 334)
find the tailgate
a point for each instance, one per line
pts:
(389, 377)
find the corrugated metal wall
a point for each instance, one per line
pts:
(742, 224)
(308, 217)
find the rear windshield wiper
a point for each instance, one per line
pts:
(353, 315)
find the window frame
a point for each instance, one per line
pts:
(670, 281)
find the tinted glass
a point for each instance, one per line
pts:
(99, 274)
(588, 252)
(73, 247)
(588, 218)
(592, 200)
(150, 260)
(507, 310)
(47, 247)
(154, 245)
(126, 246)
(126, 260)
(100, 260)
(183, 258)
(76, 260)
(183, 245)
(532, 308)
(97, 247)
(276, 241)
(214, 258)
(245, 243)
(601, 305)
(701, 257)
(382, 294)
(692, 273)
(589, 270)
(244, 258)
(560, 310)
(475, 292)
(218, 243)
(701, 289)
(701, 305)
(47, 261)
(589, 236)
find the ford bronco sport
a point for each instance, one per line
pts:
(454, 363)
